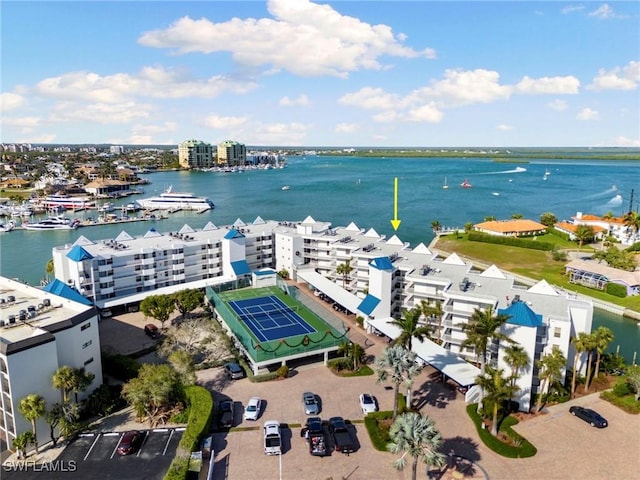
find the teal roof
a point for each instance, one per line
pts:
(381, 263)
(521, 314)
(241, 267)
(233, 233)
(63, 290)
(368, 304)
(78, 254)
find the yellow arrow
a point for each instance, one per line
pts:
(395, 223)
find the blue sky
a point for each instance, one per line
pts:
(338, 73)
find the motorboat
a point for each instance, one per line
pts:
(67, 202)
(465, 184)
(53, 223)
(7, 227)
(171, 200)
(286, 187)
(107, 207)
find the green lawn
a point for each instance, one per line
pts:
(534, 264)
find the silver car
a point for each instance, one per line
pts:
(310, 404)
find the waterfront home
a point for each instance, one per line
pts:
(511, 228)
(614, 226)
(593, 274)
(571, 228)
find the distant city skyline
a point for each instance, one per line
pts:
(339, 73)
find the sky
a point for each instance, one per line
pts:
(322, 73)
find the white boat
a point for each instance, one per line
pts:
(67, 202)
(465, 184)
(7, 227)
(107, 207)
(170, 200)
(286, 187)
(53, 223)
(495, 194)
(445, 186)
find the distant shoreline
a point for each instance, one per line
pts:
(512, 157)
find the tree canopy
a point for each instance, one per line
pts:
(159, 307)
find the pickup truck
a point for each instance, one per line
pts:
(314, 433)
(341, 436)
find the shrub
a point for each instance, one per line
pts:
(360, 321)
(377, 425)
(512, 241)
(621, 388)
(283, 371)
(104, 400)
(200, 405)
(340, 363)
(616, 290)
(120, 366)
(628, 403)
(264, 377)
(520, 448)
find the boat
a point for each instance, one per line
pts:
(107, 207)
(53, 223)
(286, 187)
(465, 184)
(170, 200)
(445, 186)
(67, 202)
(495, 194)
(7, 227)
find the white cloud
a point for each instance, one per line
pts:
(370, 98)
(41, 138)
(11, 101)
(155, 129)
(571, 9)
(300, 100)
(304, 38)
(621, 141)
(425, 113)
(558, 105)
(504, 128)
(625, 78)
(603, 12)
(103, 113)
(462, 87)
(220, 122)
(346, 128)
(21, 122)
(587, 114)
(548, 85)
(279, 134)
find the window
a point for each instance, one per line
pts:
(88, 361)
(85, 326)
(86, 344)
(557, 332)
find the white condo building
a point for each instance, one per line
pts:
(388, 277)
(40, 331)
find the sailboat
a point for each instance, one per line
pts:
(445, 186)
(465, 184)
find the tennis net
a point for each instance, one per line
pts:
(268, 313)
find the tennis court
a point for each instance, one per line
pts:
(269, 318)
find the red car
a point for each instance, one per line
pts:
(130, 442)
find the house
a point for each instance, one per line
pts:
(511, 228)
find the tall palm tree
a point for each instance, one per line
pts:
(65, 379)
(550, 369)
(581, 344)
(410, 327)
(435, 226)
(591, 344)
(33, 407)
(583, 233)
(398, 365)
(496, 388)
(518, 359)
(632, 220)
(482, 326)
(433, 311)
(603, 336)
(81, 381)
(344, 269)
(415, 435)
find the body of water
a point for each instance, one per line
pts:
(342, 190)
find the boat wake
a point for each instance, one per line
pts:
(605, 193)
(515, 170)
(615, 201)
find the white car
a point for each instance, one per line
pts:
(272, 440)
(368, 403)
(252, 410)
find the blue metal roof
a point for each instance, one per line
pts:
(381, 263)
(63, 290)
(369, 304)
(233, 233)
(521, 314)
(77, 254)
(241, 267)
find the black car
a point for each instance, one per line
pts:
(234, 371)
(592, 417)
(225, 410)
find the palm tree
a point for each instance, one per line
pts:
(591, 346)
(410, 327)
(583, 233)
(65, 379)
(482, 326)
(33, 407)
(399, 365)
(430, 311)
(496, 388)
(603, 336)
(344, 269)
(81, 381)
(435, 226)
(632, 220)
(581, 344)
(518, 359)
(415, 435)
(550, 369)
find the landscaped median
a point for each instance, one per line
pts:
(512, 444)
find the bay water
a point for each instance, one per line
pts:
(344, 189)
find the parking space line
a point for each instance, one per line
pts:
(180, 429)
(146, 434)
(91, 447)
(166, 445)
(117, 444)
(160, 430)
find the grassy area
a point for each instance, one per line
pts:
(535, 264)
(363, 371)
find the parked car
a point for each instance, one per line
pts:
(129, 442)
(272, 440)
(252, 410)
(226, 414)
(592, 417)
(368, 403)
(234, 371)
(314, 434)
(310, 404)
(341, 437)
(151, 330)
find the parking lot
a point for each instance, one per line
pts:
(95, 456)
